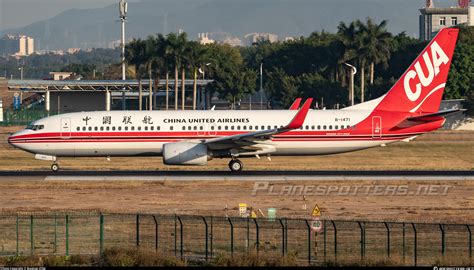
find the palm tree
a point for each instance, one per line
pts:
(196, 56)
(136, 55)
(176, 47)
(374, 47)
(156, 62)
(380, 45)
(347, 44)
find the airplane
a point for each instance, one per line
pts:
(408, 109)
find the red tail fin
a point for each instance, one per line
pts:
(421, 87)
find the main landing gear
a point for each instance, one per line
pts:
(55, 167)
(235, 165)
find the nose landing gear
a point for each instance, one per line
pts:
(55, 167)
(235, 165)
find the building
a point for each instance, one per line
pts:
(255, 37)
(433, 19)
(232, 41)
(59, 75)
(203, 38)
(72, 50)
(16, 45)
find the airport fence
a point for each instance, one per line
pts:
(203, 238)
(22, 117)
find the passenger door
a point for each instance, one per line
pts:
(65, 128)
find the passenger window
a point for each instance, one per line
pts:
(78, 128)
(263, 127)
(201, 128)
(336, 127)
(232, 127)
(269, 127)
(212, 127)
(276, 127)
(90, 128)
(219, 127)
(101, 128)
(119, 128)
(238, 127)
(307, 127)
(83, 128)
(132, 128)
(330, 126)
(226, 127)
(319, 127)
(151, 128)
(146, 128)
(96, 128)
(195, 128)
(139, 128)
(157, 128)
(184, 127)
(245, 127)
(126, 128)
(171, 127)
(324, 127)
(108, 128)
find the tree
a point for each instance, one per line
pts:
(460, 79)
(176, 48)
(235, 84)
(376, 43)
(196, 56)
(281, 87)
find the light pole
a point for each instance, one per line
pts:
(351, 82)
(123, 7)
(21, 73)
(261, 86)
(203, 91)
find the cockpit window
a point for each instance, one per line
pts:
(35, 127)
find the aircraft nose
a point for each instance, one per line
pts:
(11, 139)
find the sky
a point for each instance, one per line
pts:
(18, 13)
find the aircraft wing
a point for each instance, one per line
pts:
(295, 105)
(258, 137)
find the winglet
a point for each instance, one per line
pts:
(300, 116)
(295, 105)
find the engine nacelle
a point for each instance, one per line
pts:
(185, 153)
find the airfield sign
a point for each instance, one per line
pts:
(316, 211)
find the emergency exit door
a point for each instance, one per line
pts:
(376, 127)
(65, 128)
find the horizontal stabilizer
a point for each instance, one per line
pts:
(428, 117)
(424, 118)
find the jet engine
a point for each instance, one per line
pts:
(185, 153)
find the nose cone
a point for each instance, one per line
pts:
(11, 139)
(14, 139)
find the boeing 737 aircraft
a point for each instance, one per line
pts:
(408, 109)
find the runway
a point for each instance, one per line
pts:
(228, 176)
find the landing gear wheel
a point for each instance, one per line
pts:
(235, 165)
(54, 167)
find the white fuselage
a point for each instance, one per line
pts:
(143, 133)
